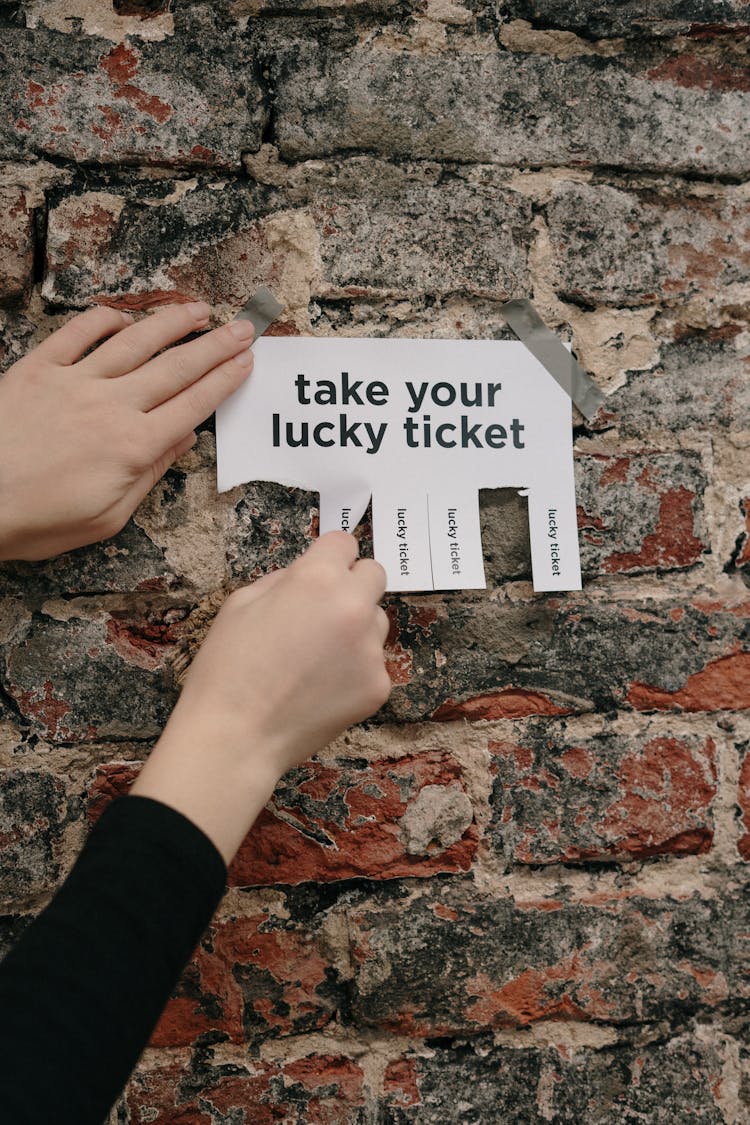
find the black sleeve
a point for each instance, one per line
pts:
(84, 987)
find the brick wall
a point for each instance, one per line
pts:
(521, 893)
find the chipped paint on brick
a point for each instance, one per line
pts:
(251, 978)
(510, 703)
(724, 684)
(612, 797)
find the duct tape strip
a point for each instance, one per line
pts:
(262, 309)
(545, 346)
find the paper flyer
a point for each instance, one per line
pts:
(419, 426)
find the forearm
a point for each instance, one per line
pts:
(85, 985)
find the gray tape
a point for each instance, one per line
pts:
(545, 346)
(262, 309)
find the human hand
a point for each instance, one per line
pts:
(82, 440)
(289, 663)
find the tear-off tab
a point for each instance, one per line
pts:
(342, 509)
(553, 530)
(456, 540)
(401, 539)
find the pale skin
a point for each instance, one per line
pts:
(292, 660)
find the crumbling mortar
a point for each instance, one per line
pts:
(729, 485)
(373, 1051)
(653, 323)
(657, 878)
(625, 588)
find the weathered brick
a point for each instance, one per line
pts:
(451, 318)
(126, 562)
(183, 535)
(273, 525)
(466, 1081)
(682, 1079)
(700, 383)
(33, 815)
(22, 327)
(640, 512)
(349, 819)
(659, 1082)
(333, 96)
(379, 820)
(16, 244)
(633, 17)
(81, 679)
(622, 247)
(557, 798)
(463, 1082)
(316, 1089)
(87, 99)
(390, 230)
(451, 659)
(394, 8)
(159, 242)
(252, 978)
(109, 677)
(458, 961)
(152, 243)
(408, 216)
(740, 559)
(110, 780)
(11, 728)
(743, 801)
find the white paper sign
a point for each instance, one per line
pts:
(421, 426)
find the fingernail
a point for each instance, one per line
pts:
(200, 310)
(244, 360)
(242, 329)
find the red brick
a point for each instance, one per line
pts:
(743, 800)
(640, 512)
(609, 796)
(113, 779)
(689, 71)
(252, 978)
(610, 957)
(84, 680)
(566, 655)
(343, 821)
(724, 684)
(318, 1089)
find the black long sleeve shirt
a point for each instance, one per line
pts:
(84, 987)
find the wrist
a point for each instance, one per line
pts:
(9, 541)
(231, 746)
(217, 780)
